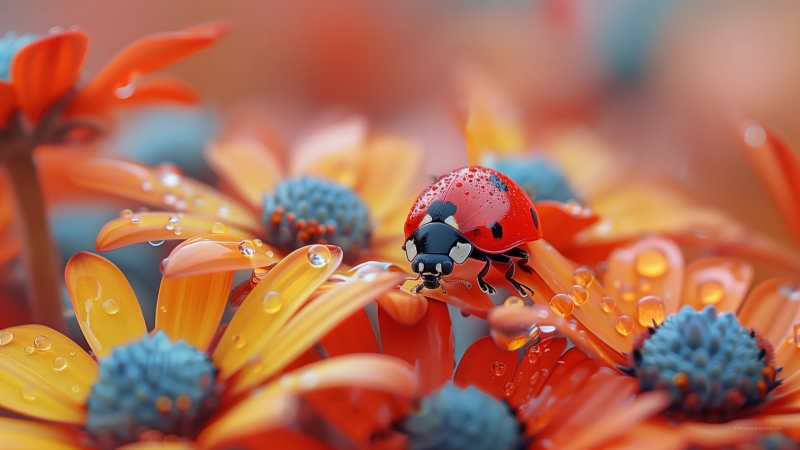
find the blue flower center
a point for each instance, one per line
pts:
(710, 364)
(10, 44)
(541, 178)
(153, 384)
(462, 419)
(307, 210)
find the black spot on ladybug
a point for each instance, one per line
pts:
(498, 183)
(535, 218)
(497, 230)
(440, 212)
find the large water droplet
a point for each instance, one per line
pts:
(319, 255)
(498, 369)
(247, 248)
(155, 243)
(29, 393)
(239, 341)
(111, 306)
(272, 302)
(607, 304)
(41, 343)
(651, 308)
(651, 263)
(710, 292)
(516, 339)
(624, 325)
(219, 228)
(583, 277)
(508, 389)
(5, 337)
(60, 363)
(562, 304)
(578, 294)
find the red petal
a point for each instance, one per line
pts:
(353, 335)
(153, 90)
(281, 438)
(487, 367)
(8, 102)
(560, 222)
(534, 369)
(428, 345)
(45, 70)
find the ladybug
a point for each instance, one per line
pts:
(472, 212)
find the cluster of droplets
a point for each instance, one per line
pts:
(38, 348)
(177, 192)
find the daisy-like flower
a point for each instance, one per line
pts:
(179, 383)
(692, 331)
(42, 102)
(341, 187)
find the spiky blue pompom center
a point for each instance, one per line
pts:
(540, 177)
(309, 210)
(10, 44)
(153, 384)
(462, 419)
(710, 364)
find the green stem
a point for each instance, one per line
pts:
(40, 255)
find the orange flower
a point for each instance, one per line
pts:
(645, 283)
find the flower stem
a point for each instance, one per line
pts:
(40, 255)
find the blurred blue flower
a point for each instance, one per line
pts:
(540, 177)
(10, 44)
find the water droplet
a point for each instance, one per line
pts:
(163, 309)
(650, 308)
(224, 211)
(125, 91)
(258, 242)
(136, 219)
(170, 226)
(270, 254)
(790, 291)
(170, 178)
(624, 325)
(499, 369)
(651, 263)
(583, 277)
(562, 304)
(627, 292)
(169, 199)
(246, 248)
(607, 304)
(578, 294)
(173, 219)
(178, 231)
(219, 228)
(147, 186)
(155, 243)
(5, 337)
(710, 292)
(516, 339)
(514, 302)
(239, 341)
(111, 306)
(508, 389)
(126, 214)
(272, 302)
(319, 255)
(28, 393)
(29, 350)
(72, 353)
(60, 363)
(42, 343)
(755, 136)
(75, 389)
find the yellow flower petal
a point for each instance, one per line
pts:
(43, 374)
(275, 299)
(394, 163)
(104, 302)
(333, 153)
(246, 166)
(134, 228)
(722, 282)
(312, 322)
(162, 188)
(18, 434)
(191, 307)
(274, 406)
(218, 252)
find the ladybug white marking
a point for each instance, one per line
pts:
(460, 252)
(411, 250)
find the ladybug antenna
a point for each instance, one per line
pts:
(464, 282)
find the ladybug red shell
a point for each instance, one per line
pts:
(472, 212)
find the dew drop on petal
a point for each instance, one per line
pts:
(755, 136)
(170, 226)
(651, 263)
(72, 353)
(28, 393)
(224, 211)
(169, 199)
(239, 341)
(178, 231)
(607, 304)
(583, 277)
(650, 309)
(5, 337)
(562, 304)
(790, 291)
(170, 178)
(60, 363)
(710, 292)
(246, 248)
(219, 228)
(42, 343)
(147, 186)
(126, 214)
(578, 294)
(155, 243)
(111, 306)
(136, 219)
(514, 302)
(29, 350)
(258, 242)
(624, 325)
(272, 302)
(516, 339)
(498, 369)
(319, 255)
(163, 309)
(75, 389)
(508, 389)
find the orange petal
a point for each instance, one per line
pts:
(158, 446)
(144, 56)
(25, 434)
(247, 166)
(772, 308)
(43, 374)
(162, 187)
(428, 344)
(270, 305)
(8, 102)
(159, 226)
(394, 165)
(216, 252)
(44, 71)
(487, 367)
(104, 302)
(354, 334)
(312, 322)
(721, 434)
(561, 223)
(652, 434)
(406, 308)
(255, 438)
(334, 153)
(536, 365)
(191, 307)
(722, 282)
(155, 90)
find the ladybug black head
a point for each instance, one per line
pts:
(434, 249)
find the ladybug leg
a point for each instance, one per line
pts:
(485, 287)
(503, 259)
(523, 258)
